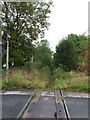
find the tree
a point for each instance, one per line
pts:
(24, 22)
(73, 48)
(43, 54)
(66, 55)
(81, 44)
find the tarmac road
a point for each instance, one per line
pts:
(45, 104)
(78, 107)
(13, 102)
(77, 104)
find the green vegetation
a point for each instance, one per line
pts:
(25, 22)
(42, 72)
(72, 52)
(62, 97)
(71, 81)
(43, 55)
(35, 65)
(66, 55)
(20, 79)
(41, 79)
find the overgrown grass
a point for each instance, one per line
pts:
(70, 81)
(42, 79)
(20, 79)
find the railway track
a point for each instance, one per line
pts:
(26, 105)
(65, 107)
(47, 104)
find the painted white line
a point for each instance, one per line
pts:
(44, 92)
(15, 93)
(46, 98)
(76, 95)
(51, 93)
(12, 92)
(47, 95)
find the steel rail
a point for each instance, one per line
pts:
(25, 105)
(65, 107)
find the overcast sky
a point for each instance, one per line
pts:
(68, 16)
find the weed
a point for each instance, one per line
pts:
(70, 81)
(62, 97)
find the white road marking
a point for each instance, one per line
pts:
(12, 92)
(15, 93)
(45, 98)
(51, 94)
(76, 95)
(44, 92)
(47, 95)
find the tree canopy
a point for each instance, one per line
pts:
(66, 55)
(72, 52)
(81, 44)
(43, 54)
(24, 22)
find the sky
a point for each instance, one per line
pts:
(68, 16)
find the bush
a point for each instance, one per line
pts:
(19, 78)
(61, 74)
(66, 55)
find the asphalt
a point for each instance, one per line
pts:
(13, 102)
(77, 104)
(45, 105)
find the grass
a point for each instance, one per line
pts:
(62, 97)
(75, 81)
(20, 79)
(41, 79)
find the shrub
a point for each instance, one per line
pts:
(66, 54)
(61, 74)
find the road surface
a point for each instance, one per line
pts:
(13, 102)
(45, 104)
(78, 104)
